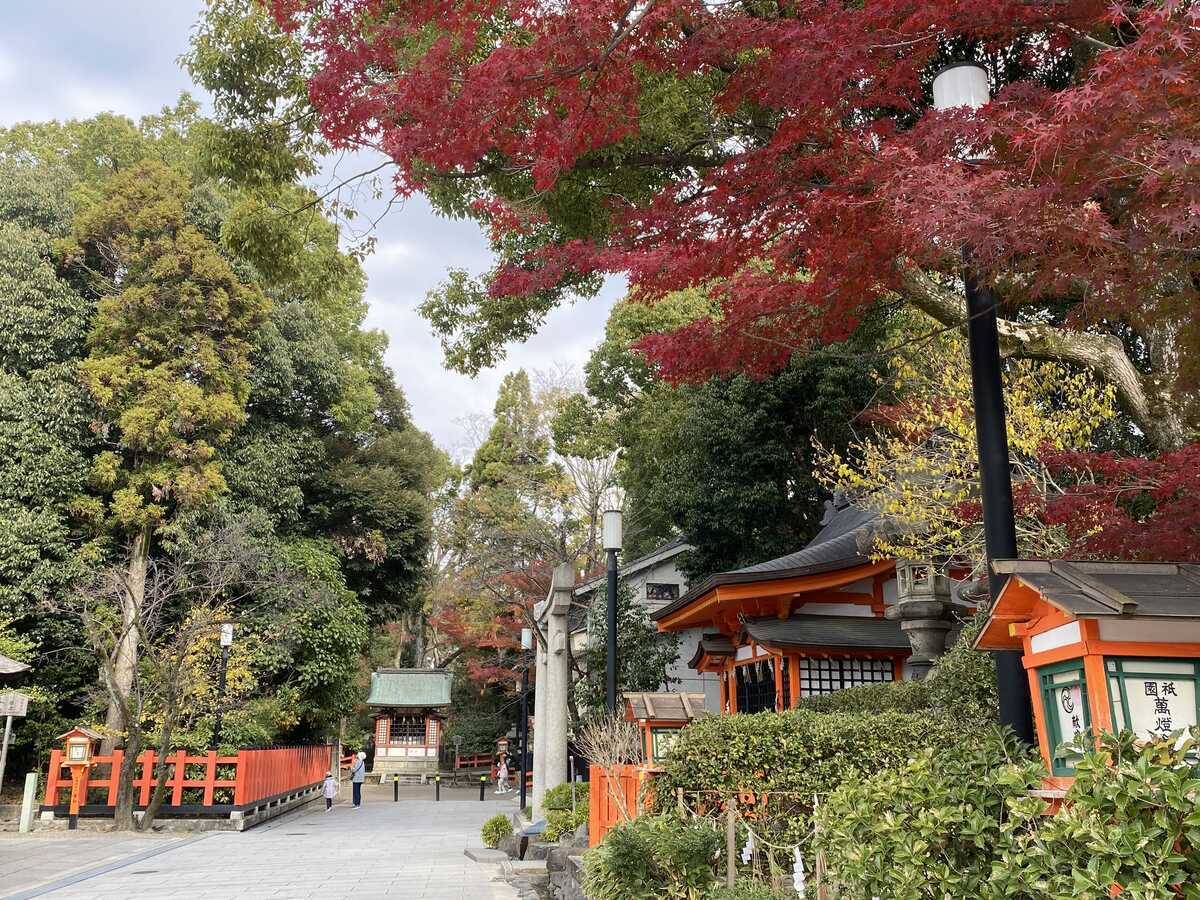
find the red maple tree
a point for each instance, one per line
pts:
(789, 160)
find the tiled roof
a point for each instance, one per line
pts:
(1091, 589)
(843, 541)
(713, 645)
(859, 632)
(410, 688)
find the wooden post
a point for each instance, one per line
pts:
(730, 841)
(210, 777)
(114, 776)
(680, 804)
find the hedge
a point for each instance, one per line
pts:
(798, 753)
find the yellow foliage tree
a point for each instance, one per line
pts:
(919, 468)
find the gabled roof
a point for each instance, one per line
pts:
(712, 645)
(1086, 589)
(661, 553)
(666, 707)
(844, 541)
(851, 632)
(411, 688)
(11, 670)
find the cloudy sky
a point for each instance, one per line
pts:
(74, 58)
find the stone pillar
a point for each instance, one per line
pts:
(539, 720)
(558, 676)
(923, 608)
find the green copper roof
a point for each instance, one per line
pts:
(410, 687)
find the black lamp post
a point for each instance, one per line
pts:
(611, 533)
(966, 84)
(226, 642)
(526, 646)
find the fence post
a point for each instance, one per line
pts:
(482, 785)
(114, 776)
(51, 798)
(240, 777)
(210, 777)
(730, 842)
(682, 807)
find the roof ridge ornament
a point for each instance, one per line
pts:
(1104, 594)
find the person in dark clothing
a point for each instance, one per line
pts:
(358, 774)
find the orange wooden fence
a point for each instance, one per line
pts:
(254, 775)
(605, 809)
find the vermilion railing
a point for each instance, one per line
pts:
(253, 775)
(478, 761)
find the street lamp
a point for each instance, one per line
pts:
(226, 642)
(611, 534)
(959, 85)
(526, 646)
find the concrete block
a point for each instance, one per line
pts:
(486, 855)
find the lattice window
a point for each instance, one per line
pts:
(824, 676)
(755, 687)
(408, 730)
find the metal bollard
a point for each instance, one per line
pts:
(396, 787)
(437, 787)
(482, 786)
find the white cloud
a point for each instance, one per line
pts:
(75, 58)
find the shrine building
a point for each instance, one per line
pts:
(408, 711)
(1108, 646)
(819, 620)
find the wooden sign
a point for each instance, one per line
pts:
(13, 703)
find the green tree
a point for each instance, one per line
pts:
(643, 654)
(167, 365)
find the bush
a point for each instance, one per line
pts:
(744, 889)
(559, 796)
(929, 829)
(962, 685)
(799, 753)
(960, 823)
(563, 821)
(495, 829)
(894, 696)
(653, 857)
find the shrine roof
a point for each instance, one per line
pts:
(712, 645)
(11, 670)
(666, 707)
(1086, 589)
(860, 632)
(843, 542)
(410, 688)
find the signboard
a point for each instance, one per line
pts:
(1153, 698)
(661, 742)
(13, 703)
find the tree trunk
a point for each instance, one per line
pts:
(125, 660)
(160, 780)
(419, 641)
(1146, 399)
(123, 815)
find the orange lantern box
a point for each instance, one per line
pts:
(660, 717)
(79, 746)
(1108, 646)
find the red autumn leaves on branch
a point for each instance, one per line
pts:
(793, 165)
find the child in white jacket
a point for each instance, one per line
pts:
(329, 790)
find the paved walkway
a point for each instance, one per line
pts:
(412, 849)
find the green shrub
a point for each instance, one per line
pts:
(928, 829)
(797, 753)
(962, 685)
(563, 821)
(960, 823)
(745, 889)
(495, 829)
(653, 857)
(559, 796)
(894, 696)
(1132, 818)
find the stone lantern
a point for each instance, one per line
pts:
(923, 609)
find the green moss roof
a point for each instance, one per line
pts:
(410, 688)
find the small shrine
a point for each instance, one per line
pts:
(1108, 646)
(409, 707)
(660, 717)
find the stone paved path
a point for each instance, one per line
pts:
(412, 849)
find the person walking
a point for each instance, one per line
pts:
(502, 775)
(329, 790)
(358, 774)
